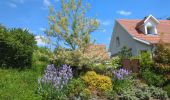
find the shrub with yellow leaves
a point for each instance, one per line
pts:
(97, 82)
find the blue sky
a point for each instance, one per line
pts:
(32, 14)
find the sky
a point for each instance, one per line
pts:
(32, 14)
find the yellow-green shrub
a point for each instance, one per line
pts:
(86, 94)
(98, 82)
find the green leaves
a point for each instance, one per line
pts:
(16, 47)
(71, 25)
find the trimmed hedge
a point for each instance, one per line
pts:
(16, 47)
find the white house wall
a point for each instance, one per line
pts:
(124, 37)
(141, 46)
(126, 40)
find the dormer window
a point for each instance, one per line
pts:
(148, 25)
(150, 29)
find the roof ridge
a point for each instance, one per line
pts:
(140, 19)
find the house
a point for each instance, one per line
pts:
(139, 35)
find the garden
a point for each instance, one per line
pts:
(77, 69)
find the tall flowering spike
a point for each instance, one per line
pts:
(58, 78)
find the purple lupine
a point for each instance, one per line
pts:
(58, 78)
(120, 74)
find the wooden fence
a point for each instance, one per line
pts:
(131, 65)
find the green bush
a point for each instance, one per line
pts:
(125, 53)
(121, 85)
(16, 47)
(167, 88)
(152, 78)
(116, 62)
(99, 68)
(82, 60)
(74, 88)
(105, 67)
(111, 95)
(86, 94)
(146, 61)
(135, 90)
(42, 56)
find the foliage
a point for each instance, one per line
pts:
(18, 85)
(121, 85)
(167, 88)
(146, 61)
(16, 47)
(74, 88)
(99, 68)
(70, 25)
(125, 53)
(97, 82)
(107, 66)
(152, 78)
(115, 62)
(52, 83)
(86, 94)
(111, 95)
(162, 54)
(73, 58)
(130, 89)
(41, 58)
(78, 60)
(146, 93)
(162, 68)
(72, 28)
(162, 60)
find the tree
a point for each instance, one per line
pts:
(168, 18)
(70, 26)
(16, 47)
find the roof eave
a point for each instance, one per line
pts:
(143, 41)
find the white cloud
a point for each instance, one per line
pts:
(46, 3)
(40, 42)
(12, 5)
(123, 12)
(32, 31)
(42, 29)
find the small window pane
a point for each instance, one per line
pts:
(117, 42)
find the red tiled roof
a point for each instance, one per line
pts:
(162, 28)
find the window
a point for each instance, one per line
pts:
(149, 30)
(117, 42)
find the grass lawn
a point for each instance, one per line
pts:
(18, 85)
